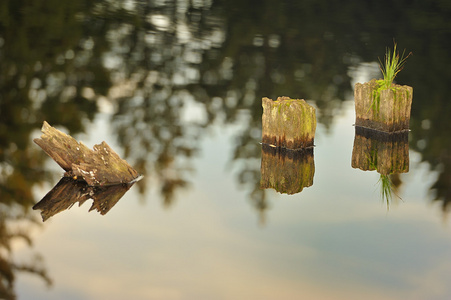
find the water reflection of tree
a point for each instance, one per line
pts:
(154, 59)
(14, 226)
(430, 137)
(43, 76)
(430, 123)
(225, 58)
(59, 60)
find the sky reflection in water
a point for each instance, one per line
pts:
(176, 88)
(332, 240)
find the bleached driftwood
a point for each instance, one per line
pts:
(98, 167)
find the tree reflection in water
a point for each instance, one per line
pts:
(14, 225)
(153, 62)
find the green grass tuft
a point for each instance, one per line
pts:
(392, 65)
(386, 188)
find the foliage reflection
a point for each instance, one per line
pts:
(169, 70)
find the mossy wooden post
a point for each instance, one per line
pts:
(288, 123)
(385, 153)
(385, 110)
(286, 171)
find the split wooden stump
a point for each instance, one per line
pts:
(98, 167)
(385, 153)
(288, 123)
(385, 110)
(98, 174)
(287, 172)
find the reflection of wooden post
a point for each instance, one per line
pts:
(68, 191)
(286, 171)
(386, 153)
(288, 123)
(385, 110)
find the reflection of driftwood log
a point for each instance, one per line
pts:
(286, 171)
(385, 110)
(386, 153)
(98, 167)
(288, 123)
(68, 191)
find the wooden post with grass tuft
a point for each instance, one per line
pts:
(288, 123)
(381, 104)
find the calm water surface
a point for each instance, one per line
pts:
(335, 240)
(176, 88)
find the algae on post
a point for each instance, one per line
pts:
(288, 123)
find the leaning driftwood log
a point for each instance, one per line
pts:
(68, 191)
(98, 167)
(285, 171)
(383, 109)
(383, 152)
(288, 123)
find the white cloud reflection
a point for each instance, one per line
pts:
(332, 241)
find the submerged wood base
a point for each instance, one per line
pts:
(381, 126)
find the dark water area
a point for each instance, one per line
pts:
(175, 87)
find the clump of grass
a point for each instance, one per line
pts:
(386, 188)
(393, 64)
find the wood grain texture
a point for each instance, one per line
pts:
(98, 167)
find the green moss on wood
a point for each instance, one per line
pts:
(289, 123)
(383, 109)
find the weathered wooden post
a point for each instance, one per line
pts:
(288, 123)
(381, 104)
(381, 109)
(286, 171)
(385, 153)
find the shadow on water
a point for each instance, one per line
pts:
(151, 63)
(386, 153)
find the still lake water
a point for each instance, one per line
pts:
(334, 240)
(176, 88)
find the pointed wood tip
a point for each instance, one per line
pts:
(45, 126)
